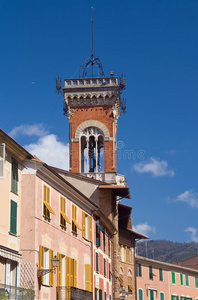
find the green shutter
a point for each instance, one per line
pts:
(151, 295)
(181, 279)
(196, 282)
(161, 296)
(13, 217)
(160, 274)
(173, 277)
(187, 280)
(140, 294)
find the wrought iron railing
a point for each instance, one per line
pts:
(8, 292)
(72, 293)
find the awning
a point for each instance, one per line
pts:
(11, 254)
(49, 207)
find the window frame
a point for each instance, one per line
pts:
(150, 272)
(86, 226)
(138, 269)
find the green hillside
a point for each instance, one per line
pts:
(166, 251)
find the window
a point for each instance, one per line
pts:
(173, 277)
(196, 282)
(97, 262)
(161, 296)
(105, 296)
(14, 177)
(181, 279)
(160, 274)
(104, 242)
(75, 225)
(119, 252)
(187, 280)
(138, 270)
(151, 272)
(46, 203)
(121, 280)
(100, 294)
(86, 226)
(140, 294)
(88, 278)
(63, 218)
(13, 217)
(128, 255)
(109, 249)
(130, 285)
(97, 231)
(2, 160)
(45, 262)
(174, 297)
(105, 270)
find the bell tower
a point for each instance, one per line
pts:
(92, 105)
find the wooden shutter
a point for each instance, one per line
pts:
(13, 217)
(87, 277)
(173, 277)
(129, 284)
(71, 272)
(83, 224)
(59, 269)
(2, 160)
(75, 272)
(90, 228)
(51, 275)
(67, 271)
(41, 260)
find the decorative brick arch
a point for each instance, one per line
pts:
(91, 123)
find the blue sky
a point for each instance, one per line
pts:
(155, 45)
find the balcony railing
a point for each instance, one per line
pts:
(72, 293)
(8, 292)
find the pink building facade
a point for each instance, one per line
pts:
(56, 220)
(164, 281)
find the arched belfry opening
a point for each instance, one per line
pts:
(92, 150)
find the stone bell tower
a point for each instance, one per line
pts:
(92, 105)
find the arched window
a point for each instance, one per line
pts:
(92, 150)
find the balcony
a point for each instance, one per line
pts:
(8, 292)
(72, 293)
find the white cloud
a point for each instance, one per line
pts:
(188, 197)
(144, 228)
(193, 233)
(154, 166)
(29, 130)
(51, 151)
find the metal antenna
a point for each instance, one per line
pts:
(92, 54)
(91, 61)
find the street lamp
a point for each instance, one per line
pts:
(55, 262)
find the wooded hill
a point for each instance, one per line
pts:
(166, 251)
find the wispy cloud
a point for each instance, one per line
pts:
(171, 152)
(144, 228)
(188, 197)
(193, 233)
(155, 167)
(29, 130)
(51, 151)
